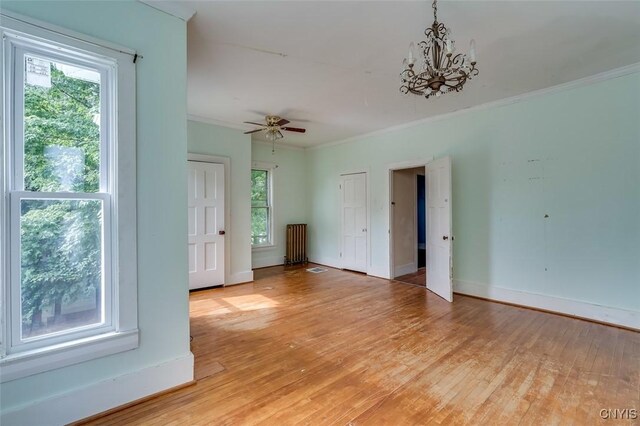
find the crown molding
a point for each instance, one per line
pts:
(173, 8)
(585, 81)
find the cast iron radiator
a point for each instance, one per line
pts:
(296, 244)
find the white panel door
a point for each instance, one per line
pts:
(354, 221)
(439, 273)
(206, 224)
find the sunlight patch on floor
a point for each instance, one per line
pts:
(226, 305)
(250, 302)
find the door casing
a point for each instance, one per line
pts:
(204, 158)
(390, 169)
(368, 215)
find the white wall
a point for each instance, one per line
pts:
(289, 196)
(573, 155)
(210, 139)
(289, 192)
(80, 390)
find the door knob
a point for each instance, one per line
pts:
(445, 238)
(221, 232)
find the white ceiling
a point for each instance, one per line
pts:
(333, 67)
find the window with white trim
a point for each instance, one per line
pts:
(68, 199)
(262, 205)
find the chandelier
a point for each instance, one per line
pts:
(441, 70)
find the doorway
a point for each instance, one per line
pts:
(409, 225)
(420, 225)
(422, 220)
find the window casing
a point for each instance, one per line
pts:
(68, 294)
(262, 205)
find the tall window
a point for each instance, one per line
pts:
(59, 183)
(261, 205)
(60, 198)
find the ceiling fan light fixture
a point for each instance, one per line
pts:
(273, 134)
(272, 129)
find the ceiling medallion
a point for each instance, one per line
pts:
(441, 70)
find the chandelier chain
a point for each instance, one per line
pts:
(435, 10)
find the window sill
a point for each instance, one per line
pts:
(28, 363)
(263, 247)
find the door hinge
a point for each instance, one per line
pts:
(340, 186)
(340, 254)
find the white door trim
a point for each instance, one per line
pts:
(203, 158)
(392, 167)
(368, 215)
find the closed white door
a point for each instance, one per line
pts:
(206, 224)
(353, 189)
(439, 272)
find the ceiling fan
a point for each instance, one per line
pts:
(273, 126)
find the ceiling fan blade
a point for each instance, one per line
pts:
(255, 124)
(282, 122)
(253, 131)
(294, 129)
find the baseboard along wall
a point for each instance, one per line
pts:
(102, 396)
(580, 309)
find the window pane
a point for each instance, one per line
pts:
(259, 225)
(61, 127)
(61, 260)
(259, 188)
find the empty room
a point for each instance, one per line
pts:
(320, 212)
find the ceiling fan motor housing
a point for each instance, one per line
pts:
(272, 120)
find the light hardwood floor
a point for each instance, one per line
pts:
(416, 278)
(343, 348)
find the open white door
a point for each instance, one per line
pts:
(206, 224)
(439, 274)
(354, 221)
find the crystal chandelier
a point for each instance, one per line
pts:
(441, 70)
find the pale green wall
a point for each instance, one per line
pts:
(161, 171)
(574, 155)
(289, 193)
(204, 138)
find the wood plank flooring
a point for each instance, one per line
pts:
(343, 348)
(416, 278)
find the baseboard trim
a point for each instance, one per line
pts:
(266, 267)
(239, 278)
(401, 270)
(98, 416)
(265, 262)
(379, 272)
(578, 309)
(103, 396)
(325, 261)
(336, 264)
